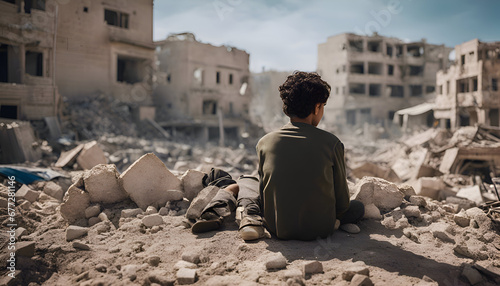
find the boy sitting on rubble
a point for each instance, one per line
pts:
(302, 189)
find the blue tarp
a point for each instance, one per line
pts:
(25, 175)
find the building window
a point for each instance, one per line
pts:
(390, 115)
(34, 63)
(462, 60)
(399, 51)
(494, 117)
(357, 88)
(390, 69)
(416, 70)
(494, 84)
(474, 84)
(129, 70)
(396, 90)
(448, 87)
(440, 89)
(8, 111)
(230, 78)
(463, 85)
(375, 90)
(351, 117)
(217, 77)
(430, 89)
(375, 68)
(374, 46)
(210, 107)
(415, 51)
(86, 9)
(415, 90)
(356, 46)
(357, 68)
(389, 50)
(114, 18)
(33, 4)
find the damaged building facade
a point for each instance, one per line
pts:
(28, 89)
(467, 92)
(202, 89)
(374, 76)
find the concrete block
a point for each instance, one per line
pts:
(25, 248)
(54, 190)
(152, 220)
(276, 261)
(472, 193)
(27, 193)
(407, 190)
(383, 194)
(79, 245)
(442, 231)
(349, 273)
(448, 160)
(429, 187)
(74, 232)
(361, 280)
(90, 156)
(186, 276)
(92, 211)
(192, 183)
(472, 275)
(412, 211)
(313, 267)
(419, 201)
(76, 201)
(372, 212)
(461, 219)
(103, 186)
(94, 220)
(191, 256)
(131, 212)
(68, 157)
(201, 201)
(374, 170)
(25, 205)
(292, 273)
(184, 264)
(148, 180)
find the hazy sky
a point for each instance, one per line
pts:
(284, 34)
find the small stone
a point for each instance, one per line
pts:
(150, 210)
(372, 212)
(295, 281)
(92, 211)
(411, 235)
(313, 267)
(349, 273)
(451, 208)
(155, 229)
(27, 193)
(418, 201)
(130, 271)
(115, 249)
(461, 219)
(389, 223)
(277, 261)
(291, 273)
(184, 264)
(361, 280)
(94, 220)
(79, 245)
(407, 190)
(20, 231)
(26, 205)
(25, 248)
(350, 228)
(73, 232)
(191, 257)
(101, 268)
(186, 276)
(441, 231)
(54, 190)
(152, 220)
(131, 212)
(412, 211)
(153, 260)
(103, 216)
(163, 211)
(472, 275)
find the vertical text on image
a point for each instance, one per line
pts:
(11, 227)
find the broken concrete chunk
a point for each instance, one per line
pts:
(372, 212)
(373, 170)
(20, 231)
(163, 211)
(361, 280)
(90, 156)
(292, 273)
(148, 180)
(27, 193)
(190, 256)
(73, 232)
(418, 201)
(54, 190)
(461, 202)
(472, 275)
(186, 276)
(442, 231)
(76, 201)
(102, 184)
(81, 246)
(276, 261)
(407, 190)
(383, 194)
(192, 183)
(412, 211)
(92, 211)
(461, 219)
(349, 273)
(471, 193)
(184, 264)
(152, 220)
(201, 201)
(150, 210)
(131, 212)
(480, 217)
(68, 157)
(313, 267)
(429, 187)
(25, 248)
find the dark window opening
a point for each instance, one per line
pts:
(230, 78)
(375, 90)
(4, 64)
(351, 117)
(415, 51)
(231, 108)
(357, 68)
(33, 4)
(494, 117)
(494, 84)
(390, 115)
(474, 84)
(375, 68)
(389, 50)
(448, 87)
(462, 60)
(464, 120)
(415, 90)
(356, 46)
(10, 64)
(130, 70)
(210, 107)
(10, 1)
(395, 90)
(440, 89)
(217, 77)
(390, 69)
(416, 70)
(86, 9)
(114, 18)
(34, 63)
(357, 88)
(430, 89)
(8, 111)
(399, 51)
(463, 85)
(374, 46)
(169, 78)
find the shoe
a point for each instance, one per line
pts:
(252, 232)
(208, 221)
(350, 228)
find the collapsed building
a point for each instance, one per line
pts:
(374, 76)
(203, 88)
(468, 91)
(28, 88)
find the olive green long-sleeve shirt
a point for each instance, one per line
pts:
(302, 181)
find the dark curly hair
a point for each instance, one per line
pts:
(301, 91)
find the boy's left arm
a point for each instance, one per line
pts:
(340, 180)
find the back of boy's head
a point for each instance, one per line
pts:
(301, 91)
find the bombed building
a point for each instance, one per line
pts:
(203, 88)
(27, 51)
(374, 76)
(468, 91)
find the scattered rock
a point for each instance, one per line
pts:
(412, 212)
(462, 203)
(92, 211)
(186, 276)
(130, 271)
(361, 280)
(442, 231)
(25, 248)
(292, 273)
(79, 245)
(192, 183)
(27, 193)
(130, 213)
(73, 232)
(407, 190)
(349, 273)
(461, 219)
(90, 156)
(152, 220)
(75, 203)
(191, 257)
(202, 200)
(148, 180)
(480, 217)
(184, 264)
(418, 201)
(20, 231)
(472, 275)
(372, 212)
(313, 267)
(101, 182)
(276, 261)
(153, 260)
(150, 210)
(101, 268)
(383, 194)
(94, 220)
(163, 211)
(472, 248)
(54, 190)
